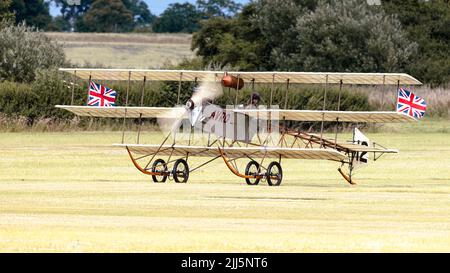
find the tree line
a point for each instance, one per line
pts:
(118, 15)
(411, 36)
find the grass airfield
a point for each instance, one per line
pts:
(73, 192)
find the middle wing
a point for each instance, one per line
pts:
(311, 115)
(129, 112)
(269, 114)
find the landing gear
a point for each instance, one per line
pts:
(160, 167)
(274, 174)
(180, 171)
(252, 169)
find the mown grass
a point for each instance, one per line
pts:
(135, 50)
(74, 192)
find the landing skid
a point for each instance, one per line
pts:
(347, 177)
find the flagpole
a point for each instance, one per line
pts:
(396, 95)
(383, 91)
(88, 89)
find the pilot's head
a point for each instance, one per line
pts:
(255, 99)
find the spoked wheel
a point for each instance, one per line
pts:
(274, 174)
(252, 169)
(180, 171)
(159, 166)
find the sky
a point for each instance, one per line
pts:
(155, 6)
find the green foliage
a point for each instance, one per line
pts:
(187, 17)
(5, 13)
(218, 8)
(362, 39)
(33, 12)
(238, 42)
(296, 36)
(59, 24)
(108, 16)
(17, 99)
(35, 100)
(141, 14)
(24, 50)
(428, 24)
(178, 18)
(71, 14)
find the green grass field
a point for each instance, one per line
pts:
(131, 50)
(74, 192)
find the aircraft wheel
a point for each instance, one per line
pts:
(159, 166)
(274, 174)
(252, 169)
(180, 171)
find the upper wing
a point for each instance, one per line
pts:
(259, 77)
(311, 115)
(235, 152)
(129, 112)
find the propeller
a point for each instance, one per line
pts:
(207, 90)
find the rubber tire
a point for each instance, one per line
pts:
(154, 165)
(175, 167)
(247, 172)
(269, 169)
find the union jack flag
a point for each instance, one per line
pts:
(410, 104)
(100, 95)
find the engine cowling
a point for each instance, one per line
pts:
(232, 82)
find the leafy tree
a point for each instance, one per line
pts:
(361, 38)
(141, 14)
(277, 22)
(178, 18)
(33, 12)
(59, 23)
(428, 24)
(23, 51)
(108, 16)
(218, 8)
(238, 41)
(5, 13)
(72, 14)
(306, 35)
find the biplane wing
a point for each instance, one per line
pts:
(129, 112)
(342, 116)
(259, 77)
(272, 114)
(236, 152)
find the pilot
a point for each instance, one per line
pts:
(255, 98)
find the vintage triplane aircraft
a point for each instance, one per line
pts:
(259, 135)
